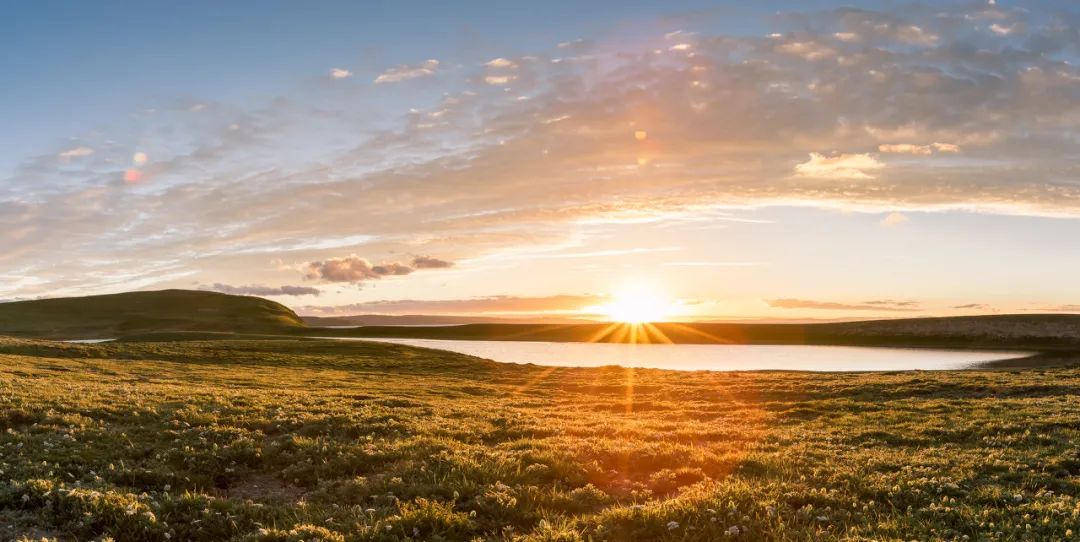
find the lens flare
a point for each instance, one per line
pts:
(638, 305)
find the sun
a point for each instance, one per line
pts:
(638, 305)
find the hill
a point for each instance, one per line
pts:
(115, 315)
(995, 331)
(426, 320)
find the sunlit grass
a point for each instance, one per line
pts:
(315, 440)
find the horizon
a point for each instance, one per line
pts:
(690, 161)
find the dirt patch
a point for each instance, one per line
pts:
(264, 488)
(18, 526)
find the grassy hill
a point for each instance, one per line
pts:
(1050, 331)
(108, 316)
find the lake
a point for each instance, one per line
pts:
(714, 357)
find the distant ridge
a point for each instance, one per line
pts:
(428, 320)
(115, 315)
(1022, 331)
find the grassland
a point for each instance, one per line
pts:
(276, 440)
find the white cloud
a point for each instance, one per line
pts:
(924, 150)
(893, 219)
(906, 148)
(808, 50)
(501, 63)
(946, 147)
(77, 152)
(340, 73)
(916, 35)
(838, 166)
(498, 79)
(408, 71)
(1002, 30)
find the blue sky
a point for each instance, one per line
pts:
(757, 160)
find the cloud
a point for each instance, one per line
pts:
(884, 305)
(971, 306)
(340, 73)
(356, 269)
(499, 79)
(1002, 30)
(408, 71)
(808, 50)
(501, 63)
(838, 166)
(488, 177)
(427, 262)
(1066, 307)
(924, 150)
(712, 264)
(76, 152)
(474, 305)
(260, 290)
(893, 219)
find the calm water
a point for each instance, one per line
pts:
(713, 357)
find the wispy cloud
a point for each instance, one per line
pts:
(839, 166)
(924, 150)
(408, 71)
(260, 290)
(76, 152)
(712, 264)
(501, 304)
(883, 305)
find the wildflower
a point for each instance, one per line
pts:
(732, 531)
(672, 525)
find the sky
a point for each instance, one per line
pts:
(766, 160)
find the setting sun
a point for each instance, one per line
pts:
(638, 305)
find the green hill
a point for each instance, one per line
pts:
(115, 315)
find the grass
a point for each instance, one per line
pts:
(275, 440)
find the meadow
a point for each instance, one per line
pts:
(293, 439)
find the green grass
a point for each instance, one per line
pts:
(319, 440)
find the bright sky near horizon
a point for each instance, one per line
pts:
(773, 160)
